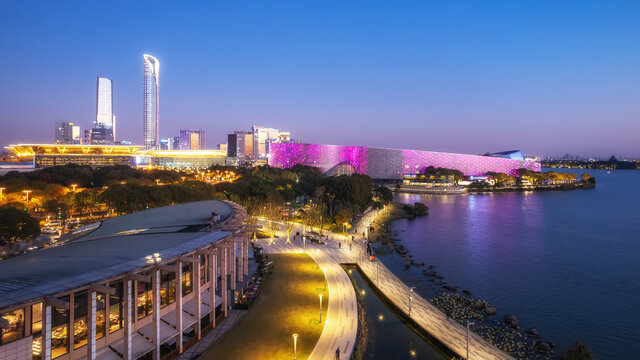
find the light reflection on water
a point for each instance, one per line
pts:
(562, 261)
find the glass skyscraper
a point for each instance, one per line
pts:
(150, 116)
(105, 119)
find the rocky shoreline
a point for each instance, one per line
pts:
(459, 305)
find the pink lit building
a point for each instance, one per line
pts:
(392, 163)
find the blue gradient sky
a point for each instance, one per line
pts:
(547, 77)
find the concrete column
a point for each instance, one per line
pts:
(212, 287)
(223, 286)
(245, 255)
(232, 265)
(91, 325)
(71, 322)
(179, 305)
(155, 293)
(45, 347)
(197, 296)
(128, 314)
(240, 258)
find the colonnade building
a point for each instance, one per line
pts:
(147, 284)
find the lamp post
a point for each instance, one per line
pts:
(320, 295)
(27, 193)
(304, 243)
(295, 343)
(1, 194)
(157, 181)
(468, 324)
(324, 270)
(410, 298)
(73, 187)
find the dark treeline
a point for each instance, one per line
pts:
(337, 198)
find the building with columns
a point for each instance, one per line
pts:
(147, 284)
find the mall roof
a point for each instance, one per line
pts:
(118, 246)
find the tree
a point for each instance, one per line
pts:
(344, 216)
(85, 200)
(16, 225)
(579, 351)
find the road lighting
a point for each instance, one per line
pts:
(1, 194)
(410, 298)
(27, 192)
(324, 270)
(295, 342)
(73, 187)
(320, 308)
(157, 181)
(468, 324)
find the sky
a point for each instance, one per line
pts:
(546, 77)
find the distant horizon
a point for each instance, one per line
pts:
(538, 76)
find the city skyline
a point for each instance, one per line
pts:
(417, 76)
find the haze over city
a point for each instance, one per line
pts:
(544, 77)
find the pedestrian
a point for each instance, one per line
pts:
(350, 246)
(340, 245)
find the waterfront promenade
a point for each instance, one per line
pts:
(339, 332)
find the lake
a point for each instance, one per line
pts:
(564, 262)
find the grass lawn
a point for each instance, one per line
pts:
(289, 304)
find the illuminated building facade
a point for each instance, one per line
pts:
(389, 164)
(150, 108)
(67, 133)
(118, 301)
(191, 139)
(105, 119)
(45, 155)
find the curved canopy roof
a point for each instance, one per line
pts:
(118, 246)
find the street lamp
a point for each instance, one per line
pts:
(468, 324)
(73, 187)
(27, 192)
(324, 270)
(410, 298)
(157, 181)
(320, 308)
(304, 243)
(295, 342)
(1, 194)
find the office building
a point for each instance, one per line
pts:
(67, 133)
(150, 111)
(191, 139)
(262, 136)
(391, 164)
(105, 119)
(240, 146)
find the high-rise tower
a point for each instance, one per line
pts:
(105, 119)
(150, 112)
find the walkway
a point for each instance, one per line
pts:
(341, 324)
(447, 331)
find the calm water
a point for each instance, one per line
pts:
(564, 262)
(389, 337)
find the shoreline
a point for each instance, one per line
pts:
(460, 307)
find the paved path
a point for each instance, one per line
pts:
(436, 323)
(341, 323)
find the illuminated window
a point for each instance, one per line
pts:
(59, 330)
(16, 326)
(145, 299)
(116, 319)
(186, 279)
